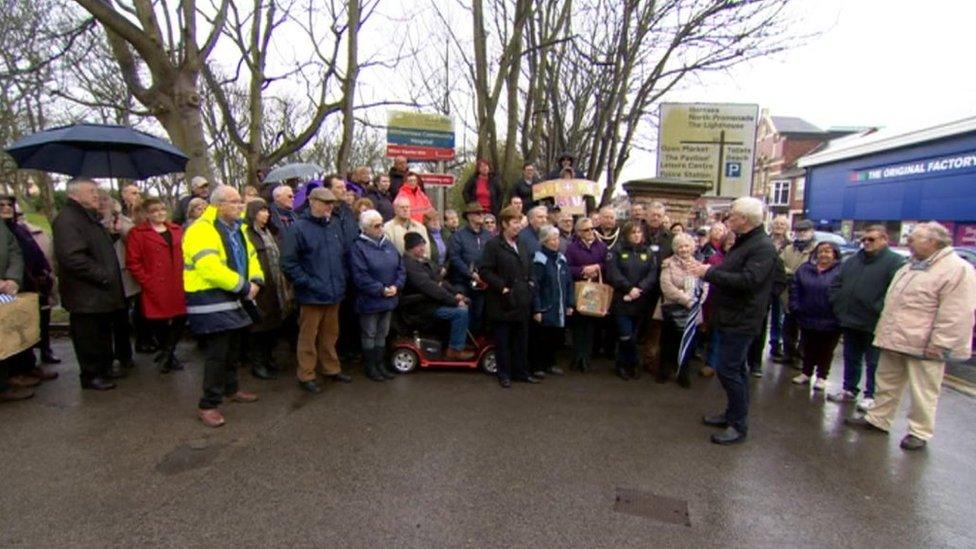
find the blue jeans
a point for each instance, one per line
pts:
(627, 327)
(734, 375)
(775, 322)
(858, 349)
(459, 325)
(375, 327)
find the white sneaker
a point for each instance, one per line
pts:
(801, 379)
(865, 404)
(820, 384)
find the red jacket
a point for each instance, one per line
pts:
(419, 203)
(158, 268)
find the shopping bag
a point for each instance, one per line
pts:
(593, 298)
(20, 324)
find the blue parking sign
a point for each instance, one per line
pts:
(733, 169)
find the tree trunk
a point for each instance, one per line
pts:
(349, 88)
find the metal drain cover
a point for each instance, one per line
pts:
(648, 505)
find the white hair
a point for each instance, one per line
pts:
(935, 231)
(548, 231)
(74, 186)
(682, 238)
(539, 209)
(220, 194)
(367, 218)
(402, 200)
(279, 190)
(749, 208)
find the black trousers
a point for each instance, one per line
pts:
(511, 346)
(791, 337)
(91, 337)
(142, 327)
(544, 345)
(45, 343)
(757, 347)
(221, 351)
(583, 328)
(818, 351)
(122, 336)
(260, 346)
(167, 333)
(350, 340)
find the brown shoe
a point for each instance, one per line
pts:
(211, 417)
(459, 355)
(43, 375)
(23, 381)
(243, 396)
(15, 393)
(706, 371)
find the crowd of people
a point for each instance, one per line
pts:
(323, 265)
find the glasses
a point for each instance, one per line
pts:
(868, 239)
(376, 225)
(587, 230)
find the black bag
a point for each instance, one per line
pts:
(676, 314)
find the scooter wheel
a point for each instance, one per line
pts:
(404, 360)
(489, 363)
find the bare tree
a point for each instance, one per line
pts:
(625, 57)
(148, 38)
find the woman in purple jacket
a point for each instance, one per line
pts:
(819, 328)
(587, 256)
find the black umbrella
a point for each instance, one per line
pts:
(96, 150)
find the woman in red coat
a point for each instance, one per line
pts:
(154, 257)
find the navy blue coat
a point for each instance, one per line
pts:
(810, 297)
(553, 287)
(375, 265)
(463, 252)
(348, 224)
(313, 258)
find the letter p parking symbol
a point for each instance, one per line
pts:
(733, 169)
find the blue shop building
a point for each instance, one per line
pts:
(896, 178)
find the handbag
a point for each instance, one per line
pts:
(676, 314)
(593, 298)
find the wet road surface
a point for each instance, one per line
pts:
(448, 459)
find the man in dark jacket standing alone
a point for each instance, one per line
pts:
(858, 295)
(313, 258)
(90, 282)
(745, 282)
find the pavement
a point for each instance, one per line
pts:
(448, 459)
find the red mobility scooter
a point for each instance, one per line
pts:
(414, 346)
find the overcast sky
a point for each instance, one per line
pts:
(893, 63)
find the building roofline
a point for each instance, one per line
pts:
(853, 147)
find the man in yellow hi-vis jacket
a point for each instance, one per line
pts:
(221, 271)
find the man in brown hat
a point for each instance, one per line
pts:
(313, 258)
(464, 255)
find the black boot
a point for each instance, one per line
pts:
(370, 366)
(381, 364)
